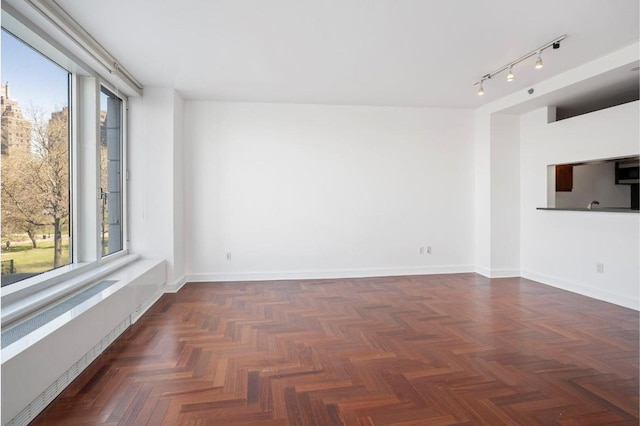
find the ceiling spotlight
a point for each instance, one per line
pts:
(539, 61)
(510, 76)
(481, 90)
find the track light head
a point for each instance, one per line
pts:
(539, 63)
(481, 89)
(510, 76)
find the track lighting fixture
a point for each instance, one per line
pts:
(555, 44)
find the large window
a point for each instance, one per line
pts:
(63, 134)
(36, 200)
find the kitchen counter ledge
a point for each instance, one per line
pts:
(594, 210)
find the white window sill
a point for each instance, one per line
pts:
(22, 299)
(121, 276)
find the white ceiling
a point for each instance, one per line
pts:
(360, 52)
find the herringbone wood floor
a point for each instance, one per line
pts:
(423, 350)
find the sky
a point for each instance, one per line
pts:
(33, 78)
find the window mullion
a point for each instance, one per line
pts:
(88, 168)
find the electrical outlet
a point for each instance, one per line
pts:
(421, 250)
(228, 255)
(600, 268)
(429, 250)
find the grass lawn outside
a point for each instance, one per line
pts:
(29, 260)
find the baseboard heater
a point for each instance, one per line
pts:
(42, 355)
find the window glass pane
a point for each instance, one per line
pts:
(35, 162)
(110, 172)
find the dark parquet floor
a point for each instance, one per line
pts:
(422, 350)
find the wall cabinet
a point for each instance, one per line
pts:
(564, 178)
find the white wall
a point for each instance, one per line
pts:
(594, 182)
(326, 191)
(482, 193)
(497, 194)
(562, 248)
(155, 182)
(505, 195)
(178, 191)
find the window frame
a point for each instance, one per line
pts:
(86, 258)
(123, 168)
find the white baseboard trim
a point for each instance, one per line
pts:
(485, 272)
(504, 273)
(594, 293)
(328, 274)
(497, 273)
(389, 272)
(176, 285)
